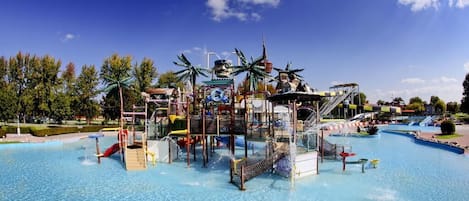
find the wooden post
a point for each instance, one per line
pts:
(204, 156)
(231, 171)
(241, 187)
(246, 117)
(188, 134)
(317, 164)
(193, 147)
(97, 151)
(170, 160)
(206, 148)
(322, 146)
(343, 163)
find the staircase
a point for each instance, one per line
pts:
(135, 159)
(335, 98)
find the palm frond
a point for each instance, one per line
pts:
(108, 88)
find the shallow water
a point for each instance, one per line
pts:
(68, 171)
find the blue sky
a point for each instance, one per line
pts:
(392, 48)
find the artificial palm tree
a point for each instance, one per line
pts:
(290, 72)
(254, 71)
(190, 73)
(124, 82)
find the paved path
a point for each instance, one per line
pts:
(462, 141)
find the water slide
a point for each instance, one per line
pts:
(239, 142)
(111, 150)
(426, 121)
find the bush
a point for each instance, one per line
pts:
(53, 131)
(12, 129)
(447, 127)
(372, 130)
(2, 133)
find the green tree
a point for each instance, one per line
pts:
(167, 79)
(380, 102)
(145, 74)
(86, 90)
(115, 74)
(65, 103)
(397, 101)
(44, 82)
(452, 107)
(7, 94)
(416, 104)
(359, 98)
(19, 69)
(7, 103)
(434, 100)
(190, 73)
(440, 107)
(465, 98)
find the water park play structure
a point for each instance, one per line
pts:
(290, 149)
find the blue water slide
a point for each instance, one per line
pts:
(239, 142)
(427, 121)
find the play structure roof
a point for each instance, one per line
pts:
(298, 96)
(162, 91)
(219, 82)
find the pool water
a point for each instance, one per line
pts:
(68, 171)
(404, 127)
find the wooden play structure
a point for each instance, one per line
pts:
(285, 155)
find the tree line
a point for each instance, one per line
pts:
(34, 89)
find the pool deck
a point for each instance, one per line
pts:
(462, 141)
(33, 139)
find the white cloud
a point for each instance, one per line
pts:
(68, 37)
(466, 66)
(335, 82)
(418, 5)
(445, 79)
(446, 92)
(256, 16)
(458, 3)
(273, 3)
(412, 81)
(193, 50)
(240, 9)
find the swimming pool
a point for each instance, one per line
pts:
(60, 171)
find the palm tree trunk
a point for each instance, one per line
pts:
(121, 121)
(194, 93)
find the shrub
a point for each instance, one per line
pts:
(12, 129)
(447, 127)
(53, 131)
(2, 133)
(372, 130)
(86, 129)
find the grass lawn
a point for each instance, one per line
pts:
(445, 137)
(10, 142)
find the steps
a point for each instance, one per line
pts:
(135, 159)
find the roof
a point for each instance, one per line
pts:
(298, 96)
(164, 91)
(219, 82)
